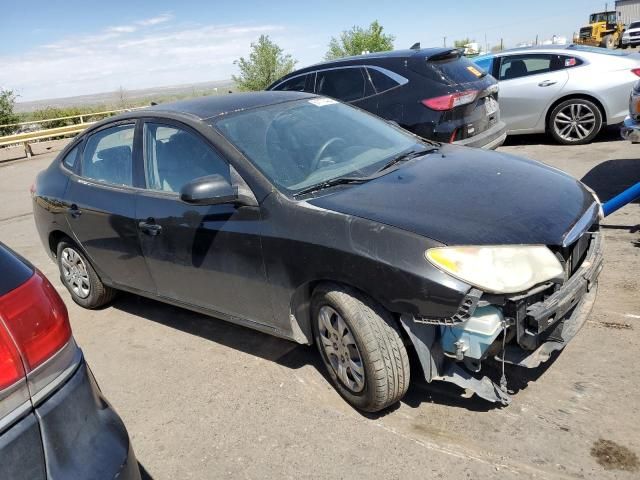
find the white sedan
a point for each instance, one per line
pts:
(570, 91)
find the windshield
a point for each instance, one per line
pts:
(307, 142)
(634, 25)
(609, 17)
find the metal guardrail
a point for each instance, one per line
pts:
(47, 133)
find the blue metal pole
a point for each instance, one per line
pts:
(619, 201)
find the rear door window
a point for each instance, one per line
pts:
(517, 66)
(108, 155)
(346, 84)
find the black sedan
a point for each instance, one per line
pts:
(54, 421)
(311, 220)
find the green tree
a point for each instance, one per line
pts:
(7, 103)
(462, 43)
(266, 64)
(358, 40)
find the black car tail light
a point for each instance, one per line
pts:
(451, 101)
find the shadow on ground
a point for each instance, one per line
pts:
(610, 178)
(294, 356)
(608, 134)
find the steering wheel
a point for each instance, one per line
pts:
(321, 152)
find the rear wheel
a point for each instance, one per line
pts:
(82, 281)
(575, 122)
(361, 347)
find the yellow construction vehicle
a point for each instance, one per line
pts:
(604, 30)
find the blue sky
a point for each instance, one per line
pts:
(58, 49)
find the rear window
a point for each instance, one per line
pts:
(381, 82)
(14, 271)
(450, 71)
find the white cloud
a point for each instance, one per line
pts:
(142, 54)
(165, 17)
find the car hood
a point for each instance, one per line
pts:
(464, 196)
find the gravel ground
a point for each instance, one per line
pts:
(205, 399)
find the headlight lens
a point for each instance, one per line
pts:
(498, 269)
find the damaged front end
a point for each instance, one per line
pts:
(522, 329)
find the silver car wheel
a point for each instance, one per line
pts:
(341, 349)
(74, 272)
(575, 122)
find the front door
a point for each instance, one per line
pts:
(528, 84)
(102, 208)
(206, 256)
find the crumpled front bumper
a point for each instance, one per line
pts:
(559, 318)
(549, 325)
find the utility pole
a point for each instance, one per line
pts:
(445, 42)
(501, 44)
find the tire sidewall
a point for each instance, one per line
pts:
(361, 400)
(92, 301)
(588, 139)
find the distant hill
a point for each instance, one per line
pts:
(130, 96)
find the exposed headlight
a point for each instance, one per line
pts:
(498, 269)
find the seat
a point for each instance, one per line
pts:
(517, 69)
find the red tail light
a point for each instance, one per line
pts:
(636, 71)
(453, 100)
(10, 363)
(37, 319)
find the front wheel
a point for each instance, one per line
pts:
(82, 281)
(361, 347)
(608, 42)
(575, 122)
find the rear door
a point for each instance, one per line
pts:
(209, 256)
(348, 84)
(102, 207)
(529, 83)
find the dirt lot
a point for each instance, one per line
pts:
(205, 399)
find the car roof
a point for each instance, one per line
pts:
(367, 58)
(216, 105)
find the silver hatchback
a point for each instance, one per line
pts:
(570, 92)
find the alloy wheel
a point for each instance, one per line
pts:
(74, 272)
(575, 122)
(340, 348)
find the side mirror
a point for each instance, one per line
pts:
(210, 190)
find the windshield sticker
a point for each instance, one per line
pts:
(475, 71)
(570, 62)
(321, 102)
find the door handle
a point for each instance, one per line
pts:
(74, 211)
(547, 83)
(150, 228)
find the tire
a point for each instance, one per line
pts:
(575, 122)
(376, 342)
(97, 294)
(608, 42)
